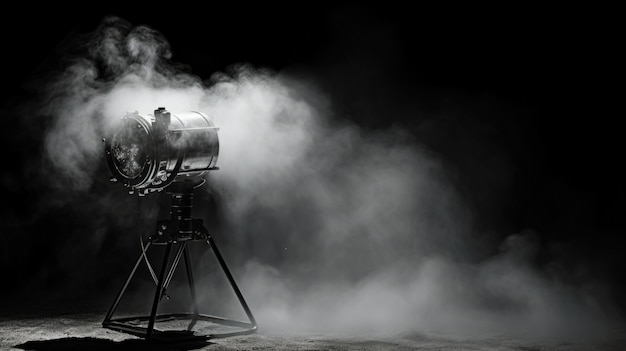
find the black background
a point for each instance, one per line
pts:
(519, 103)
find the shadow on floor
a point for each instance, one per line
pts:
(105, 344)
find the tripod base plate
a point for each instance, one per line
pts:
(206, 327)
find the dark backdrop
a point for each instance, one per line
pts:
(533, 88)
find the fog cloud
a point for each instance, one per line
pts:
(336, 227)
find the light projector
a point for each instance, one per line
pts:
(146, 153)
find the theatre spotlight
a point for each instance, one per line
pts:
(148, 153)
(171, 152)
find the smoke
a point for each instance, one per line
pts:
(335, 227)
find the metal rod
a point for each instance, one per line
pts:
(152, 274)
(159, 290)
(231, 280)
(192, 285)
(170, 274)
(125, 286)
(193, 128)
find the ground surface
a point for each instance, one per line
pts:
(79, 331)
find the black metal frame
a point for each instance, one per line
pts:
(178, 231)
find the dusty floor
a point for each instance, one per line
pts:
(80, 331)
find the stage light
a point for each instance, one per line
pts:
(147, 153)
(150, 153)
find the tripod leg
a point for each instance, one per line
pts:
(192, 290)
(159, 290)
(170, 274)
(192, 285)
(125, 286)
(231, 280)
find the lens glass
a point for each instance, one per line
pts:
(128, 148)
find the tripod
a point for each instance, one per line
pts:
(180, 230)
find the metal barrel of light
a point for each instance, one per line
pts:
(146, 153)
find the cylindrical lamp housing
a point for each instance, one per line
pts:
(148, 152)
